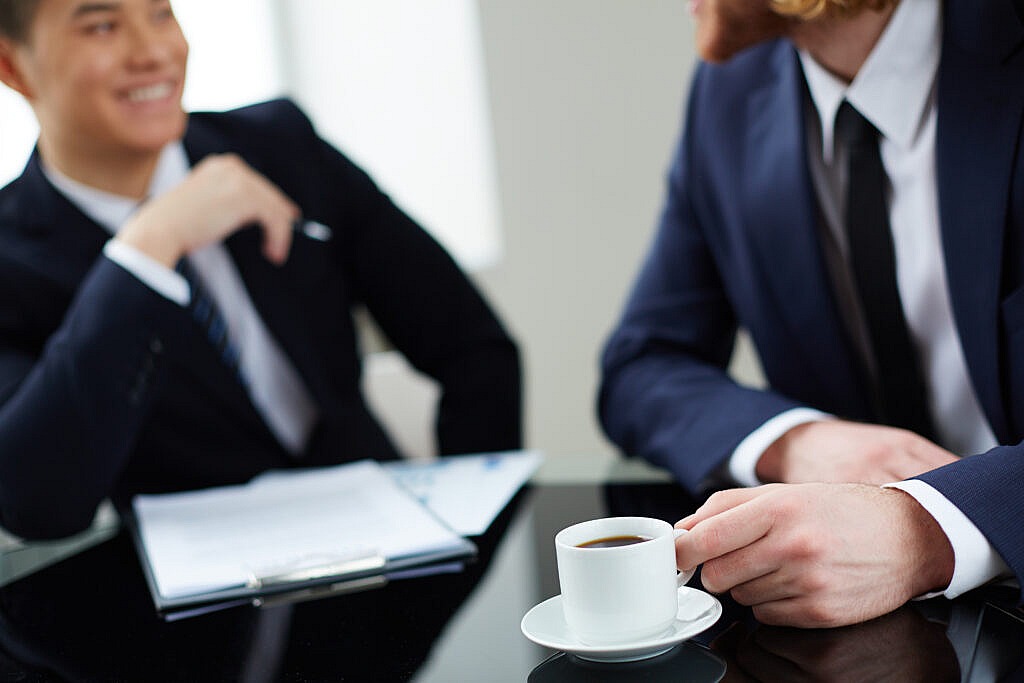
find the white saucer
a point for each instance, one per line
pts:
(545, 625)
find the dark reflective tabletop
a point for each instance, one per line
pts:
(90, 618)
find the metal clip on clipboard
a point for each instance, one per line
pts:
(321, 591)
(353, 573)
(311, 582)
(357, 567)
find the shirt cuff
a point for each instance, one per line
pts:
(158, 277)
(743, 461)
(975, 561)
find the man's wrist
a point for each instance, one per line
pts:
(742, 463)
(976, 562)
(155, 275)
(930, 549)
(771, 466)
(151, 243)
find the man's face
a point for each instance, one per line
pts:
(105, 77)
(726, 27)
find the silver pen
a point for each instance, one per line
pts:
(313, 230)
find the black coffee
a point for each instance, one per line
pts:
(613, 541)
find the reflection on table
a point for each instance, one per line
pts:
(90, 618)
(687, 662)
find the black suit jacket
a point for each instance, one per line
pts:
(107, 388)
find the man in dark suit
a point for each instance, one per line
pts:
(850, 189)
(176, 291)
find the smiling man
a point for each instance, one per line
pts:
(163, 324)
(849, 188)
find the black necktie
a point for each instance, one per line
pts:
(207, 315)
(900, 395)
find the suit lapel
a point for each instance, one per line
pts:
(70, 240)
(782, 218)
(980, 105)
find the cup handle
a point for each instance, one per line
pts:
(683, 576)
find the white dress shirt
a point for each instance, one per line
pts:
(895, 91)
(274, 385)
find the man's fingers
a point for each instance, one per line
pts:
(749, 566)
(275, 213)
(721, 501)
(278, 233)
(247, 197)
(762, 586)
(734, 528)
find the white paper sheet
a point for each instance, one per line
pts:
(467, 491)
(281, 522)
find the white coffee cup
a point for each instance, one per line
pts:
(623, 593)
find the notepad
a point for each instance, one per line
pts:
(285, 530)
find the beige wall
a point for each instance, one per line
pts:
(586, 98)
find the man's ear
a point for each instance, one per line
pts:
(10, 69)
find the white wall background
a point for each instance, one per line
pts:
(234, 52)
(586, 97)
(18, 131)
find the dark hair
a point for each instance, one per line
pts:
(16, 17)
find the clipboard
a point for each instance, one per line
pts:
(325, 531)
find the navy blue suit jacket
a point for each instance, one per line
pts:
(738, 245)
(107, 388)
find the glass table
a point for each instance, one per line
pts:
(89, 617)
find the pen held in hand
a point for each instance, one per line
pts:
(313, 230)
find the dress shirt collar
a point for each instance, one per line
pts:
(112, 210)
(894, 86)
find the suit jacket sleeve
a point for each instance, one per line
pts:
(984, 487)
(72, 404)
(429, 309)
(665, 392)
